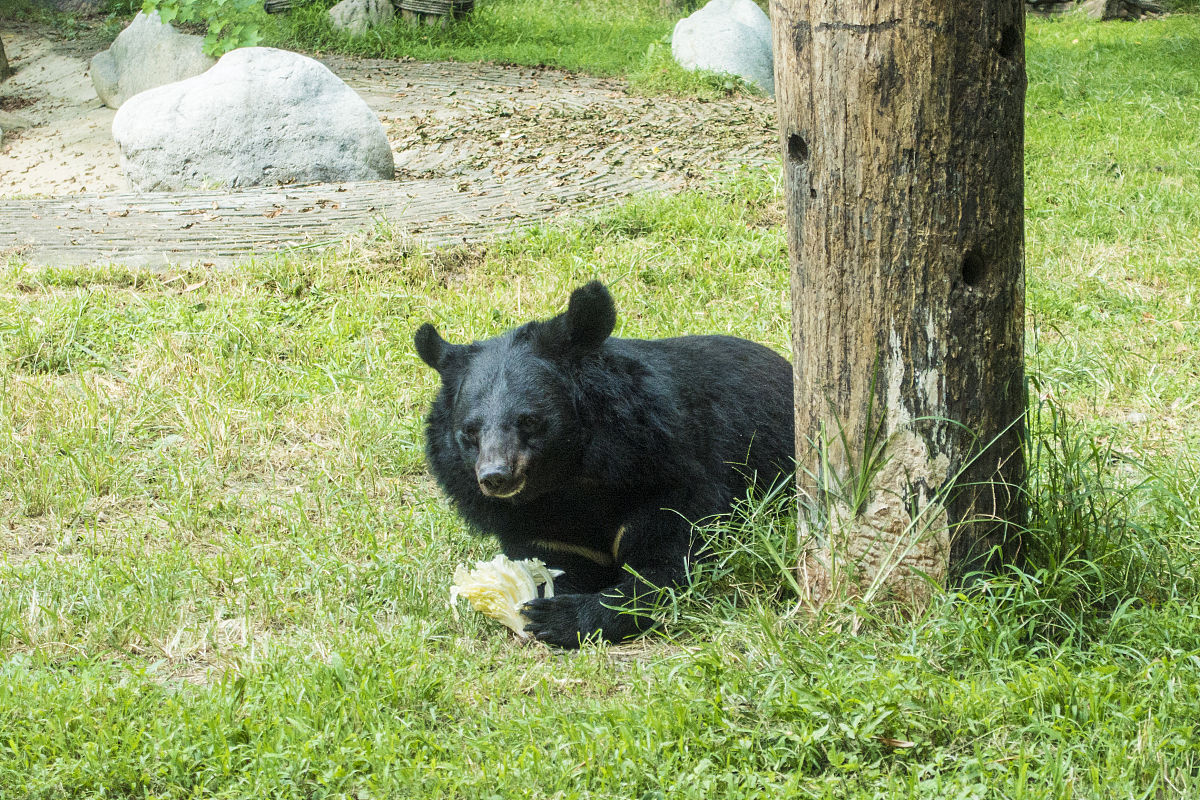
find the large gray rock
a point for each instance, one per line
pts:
(356, 16)
(731, 36)
(260, 116)
(146, 54)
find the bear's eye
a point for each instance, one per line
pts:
(529, 425)
(468, 439)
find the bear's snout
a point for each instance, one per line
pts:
(501, 463)
(497, 480)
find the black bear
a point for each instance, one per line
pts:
(596, 454)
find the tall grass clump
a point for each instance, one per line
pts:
(1109, 519)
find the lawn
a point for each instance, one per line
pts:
(224, 571)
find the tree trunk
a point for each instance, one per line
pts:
(5, 71)
(902, 127)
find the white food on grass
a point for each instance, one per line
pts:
(498, 588)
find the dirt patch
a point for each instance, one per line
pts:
(16, 102)
(453, 265)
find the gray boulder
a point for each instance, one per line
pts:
(731, 36)
(146, 54)
(260, 116)
(356, 16)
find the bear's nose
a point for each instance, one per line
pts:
(496, 479)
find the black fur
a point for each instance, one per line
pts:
(597, 454)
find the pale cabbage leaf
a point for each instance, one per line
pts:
(498, 588)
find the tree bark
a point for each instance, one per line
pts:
(5, 71)
(902, 128)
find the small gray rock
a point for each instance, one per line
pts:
(356, 16)
(1120, 9)
(260, 116)
(731, 36)
(12, 122)
(146, 54)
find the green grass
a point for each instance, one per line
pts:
(586, 35)
(224, 571)
(658, 73)
(1113, 199)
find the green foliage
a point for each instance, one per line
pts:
(230, 24)
(1106, 528)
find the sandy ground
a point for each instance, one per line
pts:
(57, 133)
(441, 119)
(479, 149)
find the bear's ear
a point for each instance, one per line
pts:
(587, 322)
(590, 316)
(433, 349)
(583, 327)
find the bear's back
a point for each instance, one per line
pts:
(729, 401)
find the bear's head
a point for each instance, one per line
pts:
(510, 405)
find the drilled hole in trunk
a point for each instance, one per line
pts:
(972, 268)
(1010, 40)
(797, 148)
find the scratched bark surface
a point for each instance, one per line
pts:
(901, 124)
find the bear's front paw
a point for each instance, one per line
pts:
(558, 620)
